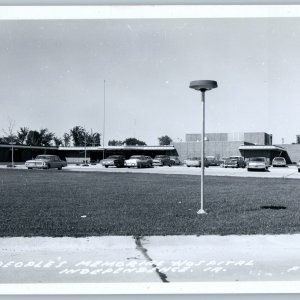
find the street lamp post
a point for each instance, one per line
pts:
(203, 86)
(103, 153)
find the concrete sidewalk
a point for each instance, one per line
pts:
(155, 259)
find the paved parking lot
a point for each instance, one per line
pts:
(287, 172)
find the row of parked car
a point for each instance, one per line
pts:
(143, 161)
(255, 163)
(140, 161)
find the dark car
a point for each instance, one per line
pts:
(46, 162)
(162, 160)
(175, 160)
(150, 160)
(235, 162)
(114, 161)
(212, 161)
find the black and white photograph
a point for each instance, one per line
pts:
(150, 153)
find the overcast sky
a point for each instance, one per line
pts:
(52, 75)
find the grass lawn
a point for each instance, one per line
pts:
(52, 203)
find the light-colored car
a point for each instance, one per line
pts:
(46, 161)
(257, 163)
(235, 162)
(175, 160)
(162, 160)
(114, 160)
(196, 162)
(222, 161)
(278, 162)
(137, 161)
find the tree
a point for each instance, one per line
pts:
(66, 139)
(10, 137)
(93, 139)
(22, 135)
(78, 135)
(39, 138)
(57, 141)
(46, 137)
(164, 140)
(134, 141)
(115, 143)
(33, 138)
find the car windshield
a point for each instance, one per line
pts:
(114, 156)
(260, 159)
(136, 157)
(159, 156)
(196, 158)
(279, 158)
(43, 157)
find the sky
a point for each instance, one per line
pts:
(52, 76)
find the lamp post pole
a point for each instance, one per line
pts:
(103, 154)
(201, 211)
(12, 154)
(203, 86)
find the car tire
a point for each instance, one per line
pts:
(60, 168)
(106, 166)
(31, 169)
(248, 170)
(299, 170)
(48, 166)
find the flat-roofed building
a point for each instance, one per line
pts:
(220, 144)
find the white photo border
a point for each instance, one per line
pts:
(94, 12)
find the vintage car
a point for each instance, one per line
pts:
(150, 160)
(196, 162)
(162, 160)
(138, 161)
(222, 161)
(257, 163)
(235, 162)
(278, 162)
(114, 161)
(46, 161)
(212, 161)
(175, 160)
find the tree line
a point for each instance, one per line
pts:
(43, 137)
(76, 136)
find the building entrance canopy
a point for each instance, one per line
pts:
(269, 151)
